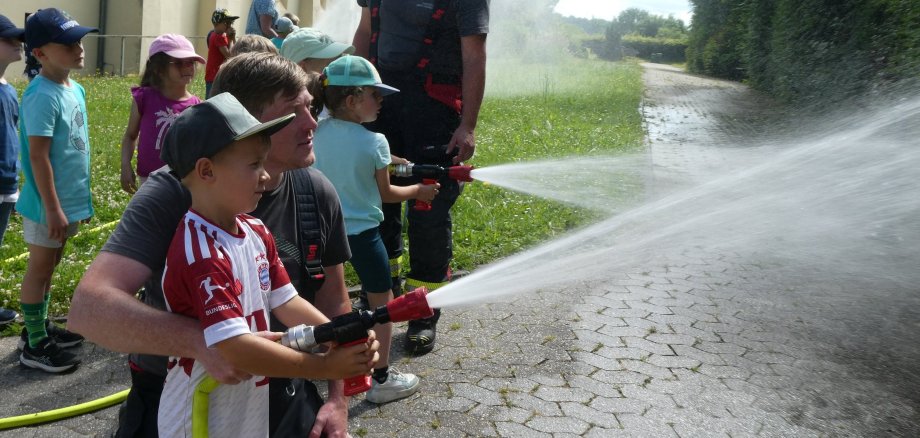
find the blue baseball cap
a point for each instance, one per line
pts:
(53, 25)
(9, 30)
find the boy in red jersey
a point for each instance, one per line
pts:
(219, 41)
(223, 269)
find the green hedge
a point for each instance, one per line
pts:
(801, 49)
(663, 49)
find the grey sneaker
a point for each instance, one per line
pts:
(398, 385)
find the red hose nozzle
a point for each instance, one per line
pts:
(411, 306)
(460, 173)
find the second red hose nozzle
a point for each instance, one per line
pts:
(430, 174)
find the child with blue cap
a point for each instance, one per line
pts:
(56, 196)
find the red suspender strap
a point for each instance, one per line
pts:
(374, 6)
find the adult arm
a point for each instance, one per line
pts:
(332, 296)
(332, 300)
(473, 86)
(362, 38)
(128, 144)
(40, 158)
(265, 24)
(105, 311)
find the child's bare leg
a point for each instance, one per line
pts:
(384, 331)
(37, 280)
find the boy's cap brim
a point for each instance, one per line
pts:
(17, 34)
(69, 36)
(73, 34)
(207, 128)
(9, 30)
(268, 128)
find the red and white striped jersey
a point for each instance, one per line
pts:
(228, 283)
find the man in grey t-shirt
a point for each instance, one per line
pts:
(434, 53)
(105, 310)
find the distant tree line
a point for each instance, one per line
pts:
(798, 49)
(636, 32)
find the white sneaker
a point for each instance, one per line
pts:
(397, 386)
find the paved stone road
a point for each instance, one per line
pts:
(690, 341)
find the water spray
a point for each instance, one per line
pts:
(430, 174)
(351, 329)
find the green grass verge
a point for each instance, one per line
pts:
(530, 112)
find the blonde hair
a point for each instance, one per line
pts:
(253, 43)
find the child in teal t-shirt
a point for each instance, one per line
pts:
(56, 189)
(356, 161)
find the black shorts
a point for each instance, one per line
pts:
(137, 416)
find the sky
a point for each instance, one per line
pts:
(609, 9)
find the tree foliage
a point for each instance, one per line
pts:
(646, 35)
(798, 49)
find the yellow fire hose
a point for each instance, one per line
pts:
(59, 414)
(200, 406)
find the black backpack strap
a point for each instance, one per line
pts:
(309, 235)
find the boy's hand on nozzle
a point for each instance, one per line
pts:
(353, 360)
(427, 192)
(398, 160)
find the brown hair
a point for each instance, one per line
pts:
(156, 67)
(256, 79)
(332, 96)
(315, 87)
(253, 43)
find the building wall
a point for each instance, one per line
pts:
(86, 12)
(127, 27)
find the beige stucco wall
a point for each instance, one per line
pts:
(143, 20)
(86, 12)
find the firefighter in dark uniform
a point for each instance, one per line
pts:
(434, 52)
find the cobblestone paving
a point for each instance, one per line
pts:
(690, 342)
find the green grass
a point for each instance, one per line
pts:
(530, 112)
